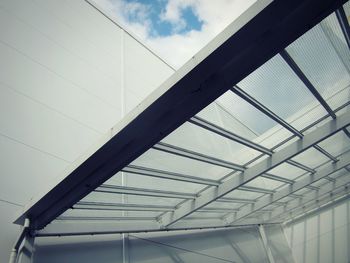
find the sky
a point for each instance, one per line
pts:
(175, 29)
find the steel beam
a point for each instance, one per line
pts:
(289, 60)
(311, 196)
(213, 193)
(172, 149)
(235, 200)
(83, 205)
(314, 206)
(115, 189)
(344, 25)
(287, 191)
(105, 218)
(277, 178)
(229, 135)
(293, 65)
(261, 107)
(324, 152)
(300, 166)
(255, 189)
(133, 169)
(245, 96)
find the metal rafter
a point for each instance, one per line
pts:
(114, 189)
(258, 105)
(338, 195)
(133, 169)
(84, 205)
(344, 25)
(261, 107)
(305, 181)
(213, 193)
(293, 205)
(227, 134)
(293, 65)
(165, 147)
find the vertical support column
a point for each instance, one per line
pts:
(265, 243)
(125, 248)
(348, 227)
(26, 250)
(125, 237)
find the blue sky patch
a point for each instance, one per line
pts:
(159, 27)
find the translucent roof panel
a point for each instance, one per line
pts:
(311, 158)
(228, 206)
(105, 214)
(133, 199)
(170, 162)
(265, 183)
(139, 181)
(243, 194)
(251, 118)
(339, 173)
(277, 87)
(222, 117)
(320, 183)
(191, 137)
(329, 73)
(337, 144)
(248, 121)
(287, 171)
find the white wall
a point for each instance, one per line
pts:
(67, 75)
(323, 236)
(241, 245)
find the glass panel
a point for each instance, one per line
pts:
(337, 144)
(220, 116)
(252, 118)
(133, 199)
(243, 194)
(301, 191)
(287, 171)
(277, 87)
(140, 181)
(338, 174)
(324, 57)
(191, 137)
(221, 205)
(312, 158)
(107, 215)
(264, 183)
(206, 215)
(170, 162)
(249, 122)
(320, 183)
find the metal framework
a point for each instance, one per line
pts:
(240, 193)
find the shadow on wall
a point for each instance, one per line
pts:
(78, 251)
(322, 237)
(214, 246)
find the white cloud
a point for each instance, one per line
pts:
(177, 48)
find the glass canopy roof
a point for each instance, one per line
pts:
(294, 94)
